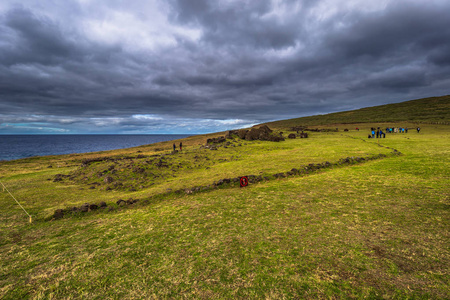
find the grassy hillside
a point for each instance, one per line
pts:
(335, 215)
(435, 110)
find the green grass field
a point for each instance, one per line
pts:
(373, 229)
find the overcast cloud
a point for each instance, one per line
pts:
(196, 66)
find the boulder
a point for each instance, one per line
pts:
(292, 136)
(258, 133)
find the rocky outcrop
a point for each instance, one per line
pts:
(231, 133)
(261, 133)
(242, 133)
(217, 140)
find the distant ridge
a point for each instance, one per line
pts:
(434, 110)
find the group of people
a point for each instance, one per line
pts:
(396, 130)
(378, 133)
(175, 147)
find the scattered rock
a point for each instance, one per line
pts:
(161, 164)
(217, 140)
(59, 177)
(84, 207)
(93, 206)
(292, 136)
(102, 204)
(298, 128)
(279, 175)
(139, 170)
(59, 213)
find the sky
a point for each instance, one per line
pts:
(198, 66)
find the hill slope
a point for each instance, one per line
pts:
(334, 215)
(434, 110)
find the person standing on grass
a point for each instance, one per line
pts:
(181, 146)
(174, 147)
(418, 129)
(373, 133)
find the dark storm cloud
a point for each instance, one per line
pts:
(237, 25)
(200, 66)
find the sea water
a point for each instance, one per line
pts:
(22, 146)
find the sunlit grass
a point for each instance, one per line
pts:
(377, 229)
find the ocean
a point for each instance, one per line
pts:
(22, 146)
